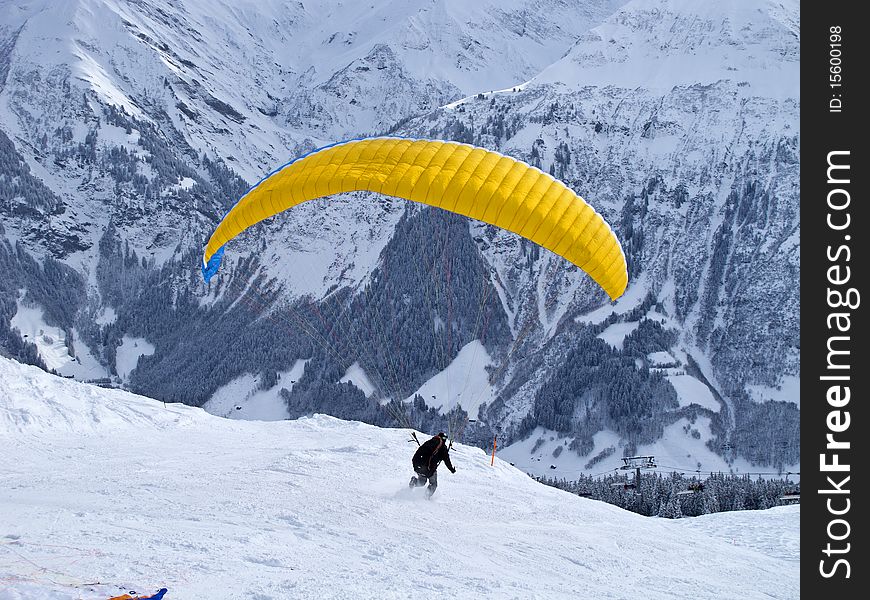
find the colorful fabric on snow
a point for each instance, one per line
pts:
(157, 596)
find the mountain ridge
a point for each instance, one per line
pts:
(698, 178)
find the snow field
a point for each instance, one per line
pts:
(50, 341)
(256, 404)
(464, 382)
(105, 486)
(128, 354)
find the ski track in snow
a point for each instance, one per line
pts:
(105, 486)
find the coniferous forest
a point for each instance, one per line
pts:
(675, 495)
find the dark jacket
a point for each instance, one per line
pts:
(430, 454)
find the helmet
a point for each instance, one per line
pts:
(442, 435)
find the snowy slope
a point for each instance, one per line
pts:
(250, 79)
(680, 120)
(245, 398)
(464, 382)
(52, 344)
(106, 492)
(658, 45)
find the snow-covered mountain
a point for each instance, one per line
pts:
(681, 120)
(254, 79)
(128, 128)
(248, 83)
(106, 492)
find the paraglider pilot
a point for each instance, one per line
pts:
(426, 460)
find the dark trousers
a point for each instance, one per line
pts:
(424, 476)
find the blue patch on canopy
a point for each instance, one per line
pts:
(214, 263)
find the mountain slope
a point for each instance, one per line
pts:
(680, 121)
(253, 79)
(677, 120)
(104, 486)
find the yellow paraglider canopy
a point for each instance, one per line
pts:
(459, 178)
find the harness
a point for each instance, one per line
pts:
(435, 453)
